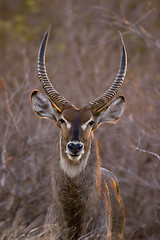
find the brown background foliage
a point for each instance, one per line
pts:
(82, 61)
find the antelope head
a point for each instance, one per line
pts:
(77, 125)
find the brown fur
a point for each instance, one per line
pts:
(86, 202)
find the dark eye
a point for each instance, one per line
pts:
(61, 120)
(91, 123)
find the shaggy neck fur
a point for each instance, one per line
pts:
(74, 193)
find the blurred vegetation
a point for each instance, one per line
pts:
(82, 60)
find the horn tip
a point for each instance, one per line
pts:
(49, 28)
(123, 47)
(121, 38)
(43, 44)
(47, 32)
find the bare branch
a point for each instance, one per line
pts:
(11, 113)
(145, 151)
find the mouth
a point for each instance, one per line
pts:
(74, 157)
(74, 154)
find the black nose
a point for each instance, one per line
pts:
(75, 148)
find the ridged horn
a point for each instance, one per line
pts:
(101, 101)
(57, 99)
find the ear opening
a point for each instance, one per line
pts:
(113, 112)
(43, 107)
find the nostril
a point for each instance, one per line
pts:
(79, 146)
(71, 146)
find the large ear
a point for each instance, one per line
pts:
(43, 107)
(113, 112)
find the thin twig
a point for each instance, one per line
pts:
(9, 110)
(145, 151)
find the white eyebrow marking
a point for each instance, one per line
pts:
(67, 123)
(86, 123)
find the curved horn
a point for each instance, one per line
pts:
(99, 102)
(57, 99)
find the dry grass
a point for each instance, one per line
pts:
(82, 60)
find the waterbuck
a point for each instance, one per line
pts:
(86, 202)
